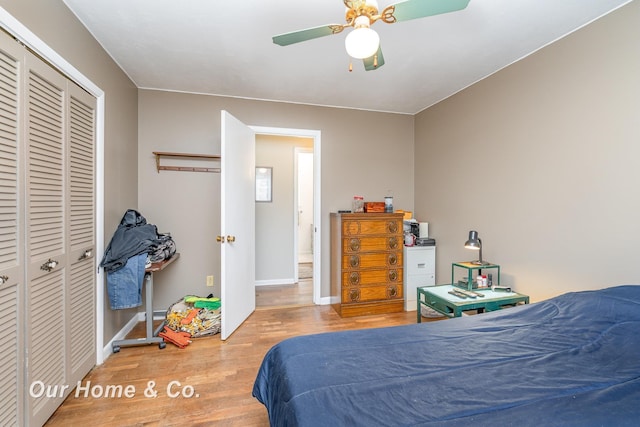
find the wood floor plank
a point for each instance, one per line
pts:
(218, 374)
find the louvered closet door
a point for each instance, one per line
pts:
(11, 246)
(81, 225)
(46, 234)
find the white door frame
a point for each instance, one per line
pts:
(30, 40)
(317, 219)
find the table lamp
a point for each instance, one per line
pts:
(475, 243)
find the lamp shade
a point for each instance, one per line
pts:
(473, 242)
(362, 42)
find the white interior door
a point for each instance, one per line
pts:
(237, 218)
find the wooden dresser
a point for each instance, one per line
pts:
(366, 263)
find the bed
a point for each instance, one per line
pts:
(570, 360)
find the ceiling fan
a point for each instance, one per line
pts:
(363, 42)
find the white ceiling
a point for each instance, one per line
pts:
(225, 47)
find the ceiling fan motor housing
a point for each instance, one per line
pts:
(355, 9)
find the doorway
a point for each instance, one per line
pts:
(303, 187)
(287, 247)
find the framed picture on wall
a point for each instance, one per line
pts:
(264, 180)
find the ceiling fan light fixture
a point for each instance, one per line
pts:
(362, 42)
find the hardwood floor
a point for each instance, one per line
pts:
(271, 296)
(215, 377)
(300, 293)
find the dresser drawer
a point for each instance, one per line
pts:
(360, 294)
(371, 259)
(364, 244)
(371, 277)
(364, 227)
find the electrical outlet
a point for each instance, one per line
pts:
(209, 280)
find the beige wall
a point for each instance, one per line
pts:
(362, 153)
(56, 26)
(542, 160)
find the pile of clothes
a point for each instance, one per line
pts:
(191, 317)
(134, 246)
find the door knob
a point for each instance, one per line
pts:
(220, 239)
(231, 239)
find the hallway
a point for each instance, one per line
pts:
(297, 294)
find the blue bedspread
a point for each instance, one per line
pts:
(573, 360)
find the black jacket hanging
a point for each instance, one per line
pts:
(132, 237)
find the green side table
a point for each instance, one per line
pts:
(470, 268)
(438, 298)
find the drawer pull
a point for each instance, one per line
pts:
(393, 243)
(393, 275)
(49, 265)
(4, 279)
(393, 227)
(393, 259)
(354, 278)
(354, 244)
(354, 261)
(354, 295)
(421, 265)
(392, 291)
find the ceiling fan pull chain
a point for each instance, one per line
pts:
(350, 66)
(375, 60)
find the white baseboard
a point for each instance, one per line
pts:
(122, 333)
(325, 301)
(333, 300)
(289, 281)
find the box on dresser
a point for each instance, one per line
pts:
(366, 263)
(371, 207)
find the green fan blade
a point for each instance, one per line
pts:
(412, 9)
(308, 34)
(371, 63)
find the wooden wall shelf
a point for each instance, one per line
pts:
(210, 157)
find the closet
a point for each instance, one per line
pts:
(47, 235)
